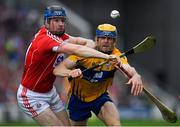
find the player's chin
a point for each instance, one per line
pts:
(58, 33)
(106, 50)
(60, 30)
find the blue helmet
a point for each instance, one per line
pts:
(106, 30)
(54, 11)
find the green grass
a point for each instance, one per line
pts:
(137, 122)
(95, 122)
(19, 123)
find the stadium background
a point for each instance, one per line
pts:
(20, 20)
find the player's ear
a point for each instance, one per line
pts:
(46, 23)
(96, 39)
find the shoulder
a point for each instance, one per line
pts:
(54, 37)
(47, 35)
(116, 51)
(65, 36)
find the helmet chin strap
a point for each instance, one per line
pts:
(108, 52)
(59, 33)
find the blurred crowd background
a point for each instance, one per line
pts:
(21, 19)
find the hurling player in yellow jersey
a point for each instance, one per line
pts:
(90, 92)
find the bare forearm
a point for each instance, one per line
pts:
(62, 71)
(88, 52)
(65, 70)
(131, 70)
(82, 41)
(82, 51)
(90, 43)
(134, 79)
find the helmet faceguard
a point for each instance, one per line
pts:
(106, 30)
(54, 11)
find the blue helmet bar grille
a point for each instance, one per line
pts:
(52, 11)
(111, 34)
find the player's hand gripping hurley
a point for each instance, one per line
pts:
(146, 44)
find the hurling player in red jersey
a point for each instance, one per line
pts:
(36, 96)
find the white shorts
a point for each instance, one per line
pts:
(33, 103)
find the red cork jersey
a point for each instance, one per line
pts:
(40, 61)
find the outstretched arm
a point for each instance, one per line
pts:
(65, 69)
(82, 51)
(82, 41)
(134, 78)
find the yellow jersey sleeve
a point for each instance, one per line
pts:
(74, 58)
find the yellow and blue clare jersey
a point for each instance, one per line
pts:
(94, 82)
